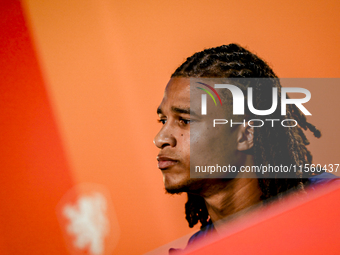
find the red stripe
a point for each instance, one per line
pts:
(34, 169)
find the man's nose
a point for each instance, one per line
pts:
(165, 137)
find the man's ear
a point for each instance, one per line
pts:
(245, 137)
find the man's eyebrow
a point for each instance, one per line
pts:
(183, 110)
(177, 110)
(180, 110)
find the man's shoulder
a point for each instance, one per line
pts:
(202, 233)
(314, 181)
(323, 179)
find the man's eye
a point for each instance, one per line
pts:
(163, 121)
(184, 121)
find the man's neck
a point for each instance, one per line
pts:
(237, 195)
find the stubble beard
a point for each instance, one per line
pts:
(191, 185)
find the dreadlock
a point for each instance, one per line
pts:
(272, 145)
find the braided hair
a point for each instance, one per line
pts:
(272, 145)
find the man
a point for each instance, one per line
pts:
(187, 139)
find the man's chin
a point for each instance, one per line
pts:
(188, 186)
(176, 190)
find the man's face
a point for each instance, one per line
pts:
(209, 145)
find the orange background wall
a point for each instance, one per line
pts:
(98, 69)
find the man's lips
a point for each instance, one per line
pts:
(165, 162)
